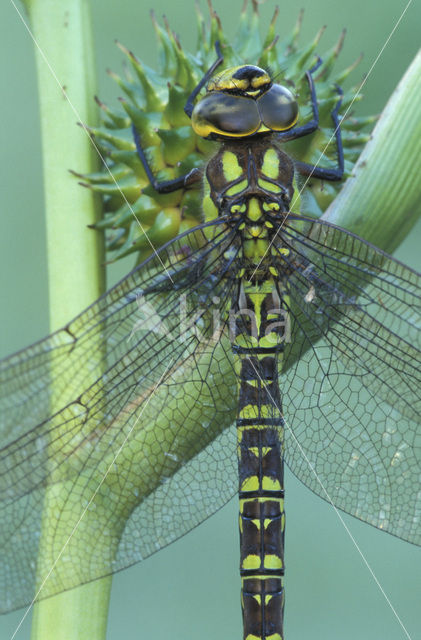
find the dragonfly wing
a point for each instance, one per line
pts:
(185, 499)
(353, 377)
(157, 388)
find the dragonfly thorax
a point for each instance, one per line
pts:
(249, 181)
(251, 185)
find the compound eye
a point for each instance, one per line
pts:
(219, 113)
(278, 108)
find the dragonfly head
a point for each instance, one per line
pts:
(241, 102)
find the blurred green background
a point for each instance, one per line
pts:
(191, 589)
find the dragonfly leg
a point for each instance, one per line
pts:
(189, 106)
(311, 126)
(323, 173)
(166, 186)
(195, 175)
(298, 132)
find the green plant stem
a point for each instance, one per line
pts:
(381, 200)
(61, 30)
(66, 78)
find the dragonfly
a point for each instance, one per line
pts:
(245, 340)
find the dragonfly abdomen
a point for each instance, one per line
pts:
(261, 483)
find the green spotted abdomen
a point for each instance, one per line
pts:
(260, 464)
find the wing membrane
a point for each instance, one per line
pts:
(352, 389)
(161, 398)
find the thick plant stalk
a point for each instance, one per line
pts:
(381, 200)
(64, 56)
(62, 36)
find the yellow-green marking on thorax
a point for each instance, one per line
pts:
(270, 169)
(232, 171)
(231, 167)
(270, 166)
